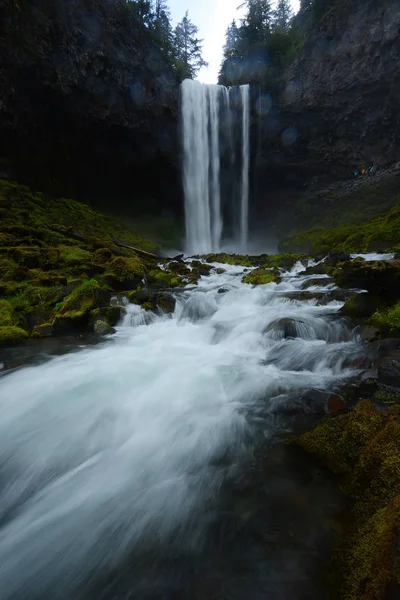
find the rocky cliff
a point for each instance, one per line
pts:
(340, 109)
(88, 105)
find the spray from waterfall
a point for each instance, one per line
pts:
(208, 116)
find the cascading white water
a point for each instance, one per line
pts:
(244, 201)
(202, 106)
(121, 450)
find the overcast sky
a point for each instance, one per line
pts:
(212, 17)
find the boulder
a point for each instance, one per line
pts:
(43, 331)
(334, 258)
(389, 373)
(282, 328)
(380, 278)
(361, 306)
(102, 328)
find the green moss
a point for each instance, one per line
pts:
(235, 259)
(127, 267)
(388, 320)
(165, 279)
(6, 313)
(364, 447)
(74, 254)
(259, 276)
(219, 271)
(42, 331)
(376, 234)
(284, 261)
(361, 306)
(12, 335)
(33, 210)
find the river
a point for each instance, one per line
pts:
(153, 465)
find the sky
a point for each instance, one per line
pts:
(212, 17)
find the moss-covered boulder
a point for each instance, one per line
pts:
(381, 278)
(125, 273)
(260, 276)
(243, 260)
(102, 328)
(6, 313)
(12, 335)
(164, 279)
(84, 298)
(43, 331)
(283, 261)
(361, 306)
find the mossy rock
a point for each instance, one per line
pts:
(363, 446)
(243, 260)
(109, 314)
(126, 273)
(6, 313)
(180, 268)
(283, 261)
(260, 277)
(220, 271)
(381, 278)
(35, 257)
(361, 306)
(164, 279)
(102, 328)
(43, 331)
(10, 335)
(87, 296)
(71, 321)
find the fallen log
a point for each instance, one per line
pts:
(138, 250)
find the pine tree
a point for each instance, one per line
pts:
(283, 15)
(257, 22)
(188, 49)
(162, 27)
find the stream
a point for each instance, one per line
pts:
(154, 465)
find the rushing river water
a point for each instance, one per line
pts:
(150, 466)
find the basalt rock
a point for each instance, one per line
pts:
(88, 103)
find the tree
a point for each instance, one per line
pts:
(188, 49)
(283, 15)
(257, 22)
(163, 29)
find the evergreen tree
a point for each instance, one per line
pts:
(163, 28)
(257, 22)
(283, 15)
(188, 49)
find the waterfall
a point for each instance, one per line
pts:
(206, 112)
(244, 204)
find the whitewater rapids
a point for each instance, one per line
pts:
(118, 450)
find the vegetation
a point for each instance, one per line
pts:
(363, 447)
(265, 41)
(259, 277)
(180, 46)
(60, 262)
(388, 320)
(379, 233)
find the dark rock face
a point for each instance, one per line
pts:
(339, 110)
(88, 104)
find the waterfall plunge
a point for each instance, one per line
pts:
(206, 113)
